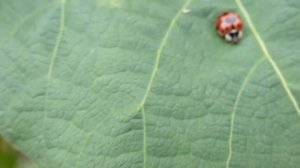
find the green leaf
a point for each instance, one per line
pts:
(149, 84)
(8, 157)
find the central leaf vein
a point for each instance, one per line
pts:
(268, 56)
(53, 57)
(153, 74)
(276, 69)
(160, 50)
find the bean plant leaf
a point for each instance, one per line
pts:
(149, 84)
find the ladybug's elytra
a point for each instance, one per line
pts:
(230, 26)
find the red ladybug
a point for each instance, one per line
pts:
(230, 26)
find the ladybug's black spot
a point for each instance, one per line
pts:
(225, 13)
(232, 26)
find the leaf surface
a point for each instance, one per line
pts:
(149, 84)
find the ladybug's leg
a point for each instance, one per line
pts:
(240, 34)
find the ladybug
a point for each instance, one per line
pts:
(230, 26)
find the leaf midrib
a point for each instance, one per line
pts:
(276, 68)
(268, 56)
(53, 59)
(160, 50)
(153, 75)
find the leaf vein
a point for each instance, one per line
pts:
(239, 95)
(160, 50)
(58, 40)
(268, 56)
(153, 74)
(144, 138)
(53, 58)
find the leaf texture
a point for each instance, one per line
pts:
(146, 84)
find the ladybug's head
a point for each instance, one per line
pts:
(234, 36)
